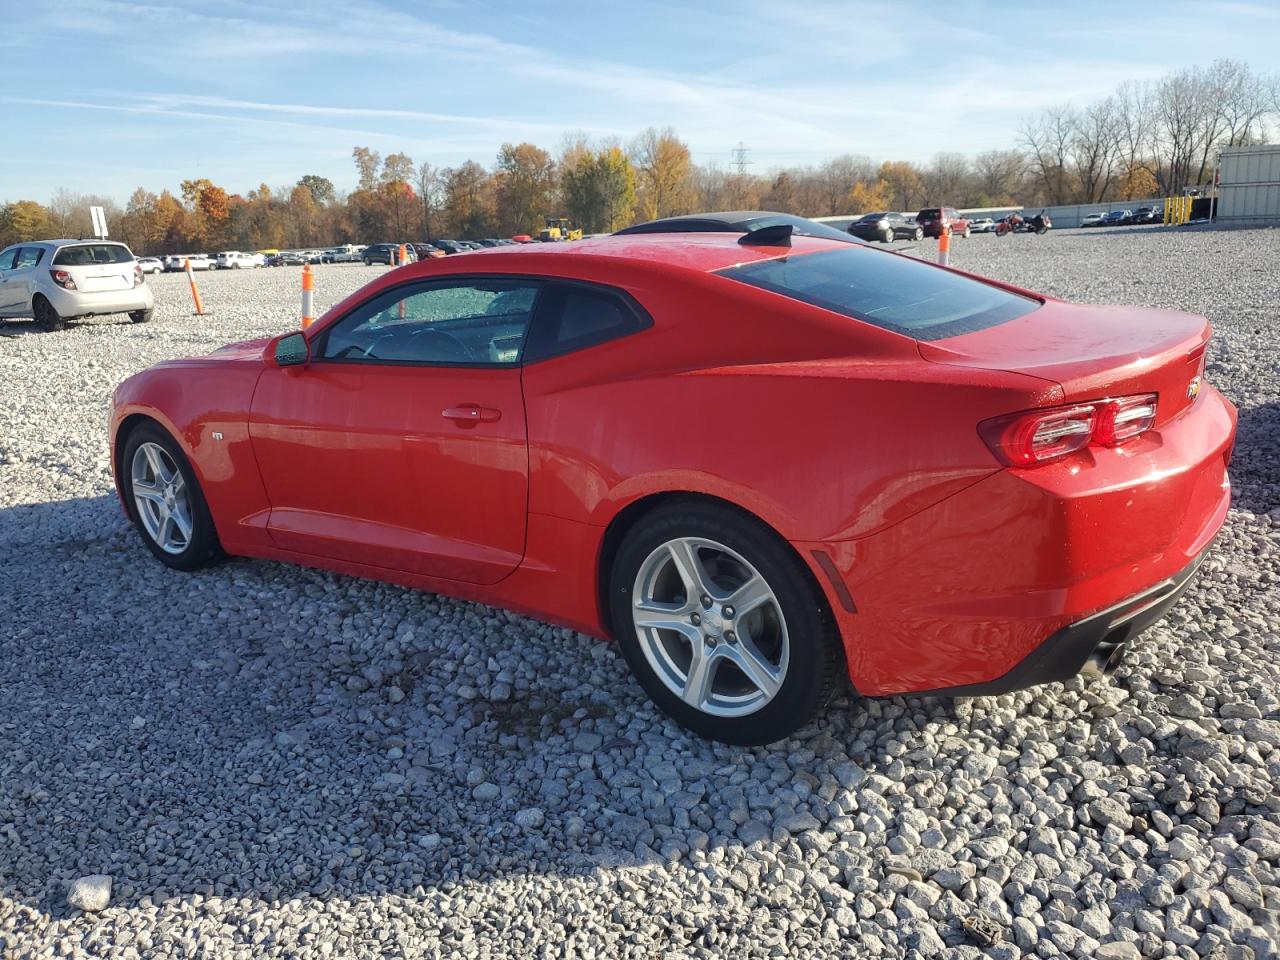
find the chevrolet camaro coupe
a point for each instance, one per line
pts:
(766, 464)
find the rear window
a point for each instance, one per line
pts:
(931, 214)
(892, 292)
(87, 254)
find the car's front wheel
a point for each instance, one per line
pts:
(967, 233)
(165, 500)
(918, 235)
(722, 624)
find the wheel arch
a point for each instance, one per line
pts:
(627, 518)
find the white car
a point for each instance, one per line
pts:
(54, 281)
(151, 264)
(982, 225)
(347, 253)
(1093, 220)
(235, 260)
(177, 262)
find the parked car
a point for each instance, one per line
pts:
(151, 264)
(886, 227)
(739, 221)
(177, 262)
(1146, 215)
(1093, 220)
(426, 251)
(388, 253)
(286, 258)
(54, 281)
(1117, 218)
(235, 260)
(449, 246)
(982, 225)
(345, 253)
(935, 219)
(1071, 457)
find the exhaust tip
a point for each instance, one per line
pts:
(1107, 654)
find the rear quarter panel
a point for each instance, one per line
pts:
(824, 427)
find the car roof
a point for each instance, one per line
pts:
(699, 252)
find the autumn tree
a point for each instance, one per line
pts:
(430, 196)
(600, 190)
(664, 174)
(868, 197)
(904, 184)
(24, 220)
(468, 201)
(320, 188)
(367, 165)
(525, 182)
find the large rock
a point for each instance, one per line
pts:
(91, 893)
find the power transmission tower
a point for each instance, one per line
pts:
(740, 161)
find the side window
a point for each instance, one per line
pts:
(8, 257)
(480, 321)
(573, 317)
(28, 257)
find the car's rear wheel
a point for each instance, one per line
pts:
(166, 502)
(967, 233)
(722, 625)
(47, 318)
(141, 316)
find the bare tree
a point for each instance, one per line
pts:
(1095, 148)
(998, 173)
(1048, 141)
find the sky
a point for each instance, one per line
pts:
(103, 96)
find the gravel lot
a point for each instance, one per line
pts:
(269, 761)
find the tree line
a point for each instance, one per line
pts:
(1144, 140)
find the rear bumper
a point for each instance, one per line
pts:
(1092, 644)
(978, 592)
(78, 303)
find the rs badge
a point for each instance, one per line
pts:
(1193, 388)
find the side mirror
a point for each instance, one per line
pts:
(289, 350)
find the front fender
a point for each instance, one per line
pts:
(204, 407)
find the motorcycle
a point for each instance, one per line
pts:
(1014, 223)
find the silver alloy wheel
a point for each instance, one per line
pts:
(710, 627)
(161, 496)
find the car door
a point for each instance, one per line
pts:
(7, 258)
(19, 281)
(402, 444)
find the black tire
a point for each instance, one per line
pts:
(368, 262)
(141, 316)
(816, 667)
(887, 238)
(966, 233)
(46, 316)
(203, 547)
(918, 235)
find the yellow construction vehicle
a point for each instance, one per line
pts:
(560, 228)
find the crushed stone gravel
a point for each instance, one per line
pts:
(224, 746)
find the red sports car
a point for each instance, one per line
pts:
(765, 464)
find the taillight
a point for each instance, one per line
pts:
(1026, 439)
(1123, 419)
(63, 279)
(1039, 436)
(137, 274)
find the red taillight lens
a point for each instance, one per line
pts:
(1026, 439)
(137, 275)
(63, 279)
(1039, 436)
(1123, 419)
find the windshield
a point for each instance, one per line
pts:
(892, 292)
(84, 255)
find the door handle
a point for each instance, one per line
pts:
(471, 413)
